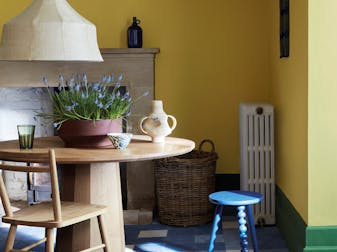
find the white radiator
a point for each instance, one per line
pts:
(257, 170)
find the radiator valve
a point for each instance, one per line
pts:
(259, 110)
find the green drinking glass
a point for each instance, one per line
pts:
(26, 136)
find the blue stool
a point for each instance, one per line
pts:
(243, 200)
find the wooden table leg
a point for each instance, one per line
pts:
(97, 183)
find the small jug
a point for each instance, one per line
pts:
(156, 124)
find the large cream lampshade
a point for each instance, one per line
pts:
(49, 30)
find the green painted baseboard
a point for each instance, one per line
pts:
(297, 235)
(322, 238)
(321, 249)
(290, 223)
(227, 182)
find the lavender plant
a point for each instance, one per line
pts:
(77, 99)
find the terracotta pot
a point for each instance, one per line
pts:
(88, 134)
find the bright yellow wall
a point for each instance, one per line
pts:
(289, 93)
(322, 112)
(214, 55)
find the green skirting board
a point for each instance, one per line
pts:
(290, 223)
(323, 238)
(298, 236)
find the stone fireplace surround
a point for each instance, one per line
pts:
(22, 93)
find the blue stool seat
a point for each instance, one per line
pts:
(243, 200)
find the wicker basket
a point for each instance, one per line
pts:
(183, 184)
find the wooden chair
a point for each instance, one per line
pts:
(50, 215)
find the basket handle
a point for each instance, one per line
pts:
(207, 141)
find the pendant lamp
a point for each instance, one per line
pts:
(49, 30)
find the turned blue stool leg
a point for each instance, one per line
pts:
(252, 228)
(216, 223)
(243, 228)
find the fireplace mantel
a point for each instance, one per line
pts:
(20, 81)
(129, 61)
(130, 51)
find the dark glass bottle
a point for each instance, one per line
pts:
(135, 36)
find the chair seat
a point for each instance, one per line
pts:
(41, 215)
(235, 198)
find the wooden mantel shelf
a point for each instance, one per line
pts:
(129, 50)
(116, 60)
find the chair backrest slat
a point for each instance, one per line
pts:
(5, 199)
(55, 187)
(46, 157)
(38, 157)
(24, 168)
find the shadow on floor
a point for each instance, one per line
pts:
(162, 238)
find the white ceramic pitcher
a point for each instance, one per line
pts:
(156, 124)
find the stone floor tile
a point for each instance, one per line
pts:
(152, 233)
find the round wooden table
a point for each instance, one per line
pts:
(92, 176)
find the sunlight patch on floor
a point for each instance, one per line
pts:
(157, 247)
